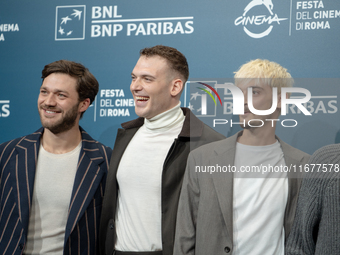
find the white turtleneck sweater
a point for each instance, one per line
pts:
(139, 176)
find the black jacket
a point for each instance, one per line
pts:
(194, 133)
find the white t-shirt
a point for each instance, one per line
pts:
(139, 176)
(53, 184)
(259, 201)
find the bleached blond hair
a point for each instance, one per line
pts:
(264, 71)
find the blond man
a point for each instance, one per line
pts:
(238, 212)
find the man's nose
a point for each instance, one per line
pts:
(51, 100)
(135, 85)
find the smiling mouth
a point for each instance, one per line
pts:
(50, 111)
(142, 98)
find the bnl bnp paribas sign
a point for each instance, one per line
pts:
(108, 21)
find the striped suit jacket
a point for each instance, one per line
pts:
(18, 159)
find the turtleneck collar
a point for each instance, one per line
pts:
(166, 120)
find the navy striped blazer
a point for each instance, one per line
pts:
(18, 159)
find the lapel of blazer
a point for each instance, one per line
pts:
(123, 138)
(24, 164)
(223, 182)
(292, 157)
(88, 177)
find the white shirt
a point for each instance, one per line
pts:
(53, 184)
(259, 202)
(139, 176)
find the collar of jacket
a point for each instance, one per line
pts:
(87, 142)
(190, 120)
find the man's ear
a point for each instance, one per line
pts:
(83, 105)
(176, 88)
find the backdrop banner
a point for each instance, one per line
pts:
(217, 37)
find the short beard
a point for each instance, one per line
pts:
(64, 124)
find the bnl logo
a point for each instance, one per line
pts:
(238, 99)
(70, 22)
(4, 108)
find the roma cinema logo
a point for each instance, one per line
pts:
(261, 25)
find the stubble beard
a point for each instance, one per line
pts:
(63, 125)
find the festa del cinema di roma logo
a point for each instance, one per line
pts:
(263, 24)
(238, 100)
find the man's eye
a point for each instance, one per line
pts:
(44, 92)
(61, 95)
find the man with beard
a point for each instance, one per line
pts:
(240, 211)
(52, 181)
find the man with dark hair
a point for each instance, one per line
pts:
(52, 181)
(86, 84)
(149, 158)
